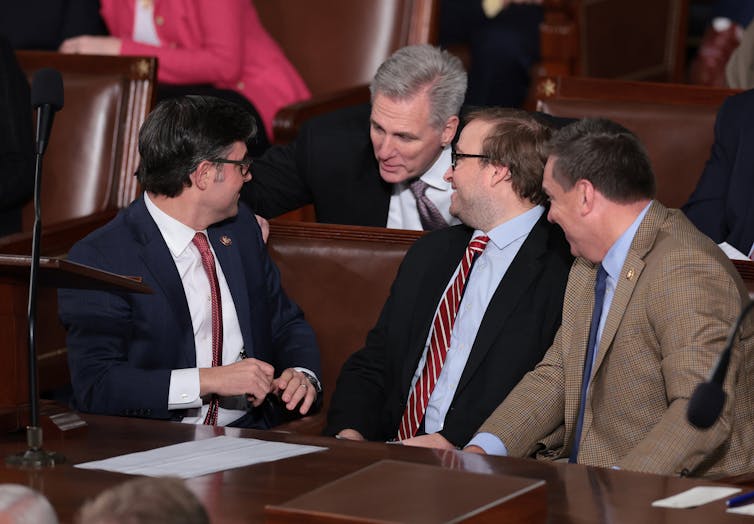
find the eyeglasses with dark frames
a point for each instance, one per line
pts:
(454, 156)
(245, 164)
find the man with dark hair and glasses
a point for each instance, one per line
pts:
(217, 341)
(474, 306)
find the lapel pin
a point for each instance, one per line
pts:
(630, 274)
(225, 240)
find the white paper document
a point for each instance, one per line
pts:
(200, 457)
(695, 497)
(732, 252)
(742, 510)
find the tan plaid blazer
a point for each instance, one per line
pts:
(674, 304)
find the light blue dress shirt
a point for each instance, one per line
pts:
(487, 272)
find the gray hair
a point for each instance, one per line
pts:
(22, 505)
(414, 68)
(145, 500)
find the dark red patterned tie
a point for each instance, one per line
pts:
(439, 343)
(430, 217)
(208, 261)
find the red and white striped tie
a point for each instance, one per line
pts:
(208, 261)
(439, 343)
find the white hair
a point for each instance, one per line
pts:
(22, 505)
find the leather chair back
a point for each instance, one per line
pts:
(92, 154)
(338, 44)
(674, 122)
(340, 276)
(638, 40)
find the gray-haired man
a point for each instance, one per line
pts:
(378, 166)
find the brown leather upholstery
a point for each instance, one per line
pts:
(341, 277)
(639, 40)
(93, 149)
(339, 44)
(674, 122)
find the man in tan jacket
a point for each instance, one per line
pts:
(660, 298)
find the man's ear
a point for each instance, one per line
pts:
(449, 130)
(499, 174)
(585, 193)
(201, 175)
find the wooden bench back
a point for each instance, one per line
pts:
(341, 277)
(674, 122)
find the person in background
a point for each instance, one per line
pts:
(514, 265)
(216, 48)
(44, 24)
(503, 41)
(722, 38)
(648, 307)
(374, 166)
(22, 505)
(16, 141)
(180, 352)
(145, 500)
(722, 204)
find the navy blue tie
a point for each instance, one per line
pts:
(599, 298)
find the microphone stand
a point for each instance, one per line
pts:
(35, 456)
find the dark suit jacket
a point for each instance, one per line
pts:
(16, 141)
(518, 327)
(42, 24)
(722, 205)
(331, 164)
(123, 346)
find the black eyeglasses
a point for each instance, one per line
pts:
(245, 164)
(455, 156)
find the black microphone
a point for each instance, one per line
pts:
(708, 399)
(46, 98)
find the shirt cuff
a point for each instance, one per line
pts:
(490, 443)
(312, 378)
(184, 389)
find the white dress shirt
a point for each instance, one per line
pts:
(145, 31)
(403, 213)
(184, 383)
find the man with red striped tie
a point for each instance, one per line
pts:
(217, 342)
(473, 307)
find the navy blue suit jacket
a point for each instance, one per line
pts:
(123, 346)
(722, 205)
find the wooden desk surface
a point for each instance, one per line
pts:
(575, 494)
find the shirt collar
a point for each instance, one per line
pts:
(513, 229)
(176, 234)
(434, 175)
(616, 255)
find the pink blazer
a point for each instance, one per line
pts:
(218, 42)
